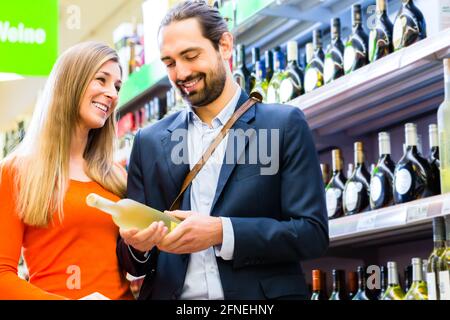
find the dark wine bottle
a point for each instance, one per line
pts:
(384, 282)
(291, 85)
(314, 69)
(241, 74)
(412, 176)
(433, 159)
(409, 25)
(255, 59)
(318, 292)
(381, 193)
(338, 292)
(356, 192)
(335, 188)
(380, 38)
(352, 284)
(334, 58)
(325, 173)
(361, 293)
(356, 47)
(268, 59)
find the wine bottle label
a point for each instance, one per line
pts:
(406, 29)
(286, 90)
(351, 195)
(403, 181)
(328, 69)
(375, 188)
(311, 79)
(349, 58)
(444, 285)
(332, 196)
(432, 286)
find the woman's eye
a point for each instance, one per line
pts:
(102, 80)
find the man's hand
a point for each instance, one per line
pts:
(195, 233)
(146, 239)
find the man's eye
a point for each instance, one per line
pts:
(191, 57)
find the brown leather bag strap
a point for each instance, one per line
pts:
(254, 98)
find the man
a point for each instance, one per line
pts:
(246, 225)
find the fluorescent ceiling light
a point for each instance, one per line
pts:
(10, 76)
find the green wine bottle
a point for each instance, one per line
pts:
(418, 290)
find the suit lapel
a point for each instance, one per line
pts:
(236, 149)
(175, 146)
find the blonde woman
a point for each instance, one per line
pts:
(67, 153)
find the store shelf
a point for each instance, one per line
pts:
(388, 224)
(400, 86)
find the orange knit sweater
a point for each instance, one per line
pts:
(71, 259)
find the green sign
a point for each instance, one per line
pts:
(28, 36)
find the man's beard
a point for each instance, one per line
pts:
(213, 85)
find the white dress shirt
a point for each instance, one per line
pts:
(202, 278)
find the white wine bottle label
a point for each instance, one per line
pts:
(349, 58)
(399, 27)
(351, 195)
(328, 69)
(286, 90)
(311, 79)
(432, 286)
(375, 188)
(332, 195)
(444, 285)
(403, 181)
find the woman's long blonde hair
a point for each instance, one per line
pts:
(41, 161)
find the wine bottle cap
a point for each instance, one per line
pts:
(381, 5)
(392, 272)
(317, 39)
(336, 159)
(384, 143)
(309, 52)
(335, 27)
(433, 133)
(255, 55)
(316, 279)
(411, 134)
(359, 153)
(356, 14)
(292, 51)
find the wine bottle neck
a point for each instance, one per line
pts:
(103, 204)
(417, 272)
(392, 276)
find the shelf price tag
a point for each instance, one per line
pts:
(416, 213)
(366, 222)
(446, 206)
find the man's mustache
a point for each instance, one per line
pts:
(189, 78)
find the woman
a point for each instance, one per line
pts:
(69, 248)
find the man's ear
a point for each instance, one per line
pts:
(226, 45)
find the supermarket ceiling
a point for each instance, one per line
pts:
(97, 20)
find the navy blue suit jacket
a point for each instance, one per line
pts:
(278, 220)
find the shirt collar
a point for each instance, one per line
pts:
(224, 115)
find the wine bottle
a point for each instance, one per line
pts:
(333, 67)
(409, 25)
(384, 282)
(291, 85)
(408, 277)
(255, 58)
(338, 292)
(380, 37)
(361, 294)
(436, 262)
(433, 159)
(317, 286)
(273, 91)
(412, 176)
(268, 59)
(325, 173)
(241, 74)
(383, 175)
(261, 83)
(356, 192)
(356, 47)
(444, 131)
(314, 69)
(394, 291)
(418, 290)
(352, 284)
(127, 213)
(335, 188)
(444, 275)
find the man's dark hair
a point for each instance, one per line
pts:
(212, 24)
